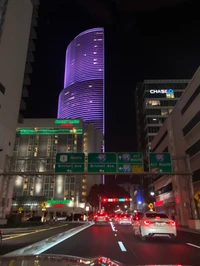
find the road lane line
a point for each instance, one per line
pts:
(121, 245)
(32, 232)
(112, 226)
(193, 245)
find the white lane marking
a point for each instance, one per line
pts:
(193, 245)
(121, 245)
(112, 226)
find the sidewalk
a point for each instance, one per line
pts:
(186, 229)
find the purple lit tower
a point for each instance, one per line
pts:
(83, 93)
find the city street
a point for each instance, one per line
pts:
(116, 242)
(122, 246)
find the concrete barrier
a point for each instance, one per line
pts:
(41, 246)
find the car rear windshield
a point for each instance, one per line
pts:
(154, 215)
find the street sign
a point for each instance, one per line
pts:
(130, 162)
(197, 196)
(20, 209)
(160, 162)
(150, 206)
(102, 162)
(70, 162)
(44, 205)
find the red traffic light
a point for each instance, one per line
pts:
(104, 200)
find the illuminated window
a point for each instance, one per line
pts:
(78, 44)
(170, 95)
(25, 186)
(35, 154)
(29, 148)
(95, 63)
(56, 141)
(90, 86)
(75, 142)
(84, 54)
(26, 180)
(84, 187)
(170, 110)
(100, 69)
(84, 193)
(85, 134)
(95, 53)
(164, 112)
(95, 40)
(152, 103)
(84, 180)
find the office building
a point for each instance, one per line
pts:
(15, 25)
(155, 100)
(36, 145)
(83, 93)
(180, 135)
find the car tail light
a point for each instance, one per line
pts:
(130, 219)
(147, 222)
(95, 216)
(106, 216)
(172, 223)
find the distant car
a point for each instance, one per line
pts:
(155, 224)
(116, 218)
(101, 218)
(0, 237)
(125, 219)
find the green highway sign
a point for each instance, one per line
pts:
(70, 162)
(130, 162)
(102, 162)
(160, 162)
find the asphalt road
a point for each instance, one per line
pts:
(17, 240)
(123, 246)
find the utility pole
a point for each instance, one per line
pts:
(99, 203)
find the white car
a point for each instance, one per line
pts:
(155, 224)
(124, 219)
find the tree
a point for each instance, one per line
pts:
(105, 191)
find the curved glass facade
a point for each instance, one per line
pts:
(83, 93)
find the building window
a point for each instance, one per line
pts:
(84, 187)
(152, 103)
(170, 95)
(84, 193)
(84, 180)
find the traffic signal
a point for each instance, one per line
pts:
(116, 199)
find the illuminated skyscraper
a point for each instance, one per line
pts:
(83, 93)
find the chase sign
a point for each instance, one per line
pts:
(170, 91)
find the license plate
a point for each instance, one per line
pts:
(160, 224)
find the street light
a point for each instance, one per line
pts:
(152, 193)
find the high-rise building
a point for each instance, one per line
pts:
(180, 136)
(15, 25)
(155, 100)
(83, 93)
(36, 145)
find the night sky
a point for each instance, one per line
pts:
(141, 42)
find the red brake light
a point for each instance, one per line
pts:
(147, 222)
(106, 216)
(173, 223)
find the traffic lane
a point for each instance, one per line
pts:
(21, 241)
(188, 237)
(159, 251)
(97, 240)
